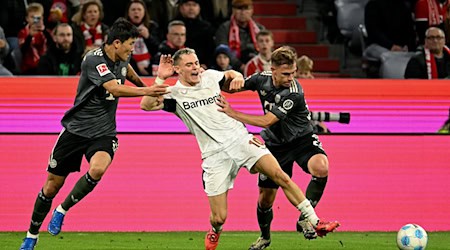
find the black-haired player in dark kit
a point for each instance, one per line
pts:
(89, 127)
(288, 134)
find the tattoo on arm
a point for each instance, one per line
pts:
(134, 78)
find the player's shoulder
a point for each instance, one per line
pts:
(264, 75)
(212, 72)
(212, 75)
(295, 87)
(94, 56)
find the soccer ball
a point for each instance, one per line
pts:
(412, 237)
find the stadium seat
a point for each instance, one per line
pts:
(393, 64)
(350, 14)
(16, 55)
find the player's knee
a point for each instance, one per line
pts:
(50, 189)
(320, 170)
(96, 172)
(318, 166)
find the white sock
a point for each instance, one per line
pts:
(61, 210)
(33, 236)
(308, 212)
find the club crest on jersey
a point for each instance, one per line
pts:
(288, 104)
(124, 71)
(102, 69)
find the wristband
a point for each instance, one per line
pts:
(159, 81)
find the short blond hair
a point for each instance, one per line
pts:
(305, 64)
(35, 7)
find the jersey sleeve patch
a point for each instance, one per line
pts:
(102, 69)
(288, 104)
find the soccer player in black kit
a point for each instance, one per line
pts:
(288, 134)
(89, 127)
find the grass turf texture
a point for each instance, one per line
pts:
(228, 241)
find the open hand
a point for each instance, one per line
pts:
(165, 68)
(224, 106)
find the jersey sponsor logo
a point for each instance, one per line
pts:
(200, 103)
(102, 69)
(288, 104)
(263, 92)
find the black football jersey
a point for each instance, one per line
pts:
(94, 111)
(288, 104)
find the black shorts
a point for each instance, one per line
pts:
(300, 151)
(69, 150)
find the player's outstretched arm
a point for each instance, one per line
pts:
(119, 90)
(133, 77)
(263, 121)
(234, 81)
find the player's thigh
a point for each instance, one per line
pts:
(247, 152)
(310, 155)
(269, 166)
(286, 161)
(100, 151)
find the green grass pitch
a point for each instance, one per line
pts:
(228, 241)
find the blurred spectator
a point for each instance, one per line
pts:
(390, 27)
(304, 68)
(434, 61)
(199, 33)
(429, 13)
(175, 40)
(222, 55)
(240, 33)
(63, 58)
(12, 16)
(58, 11)
(4, 48)
(328, 17)
(261, 62)
(162, 12)
(33, 39)
(147, 43)
(216, 12)
(88, 29)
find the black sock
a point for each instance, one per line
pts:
(265, 217)
(83, 187)
(314, 191)
(42, 206)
